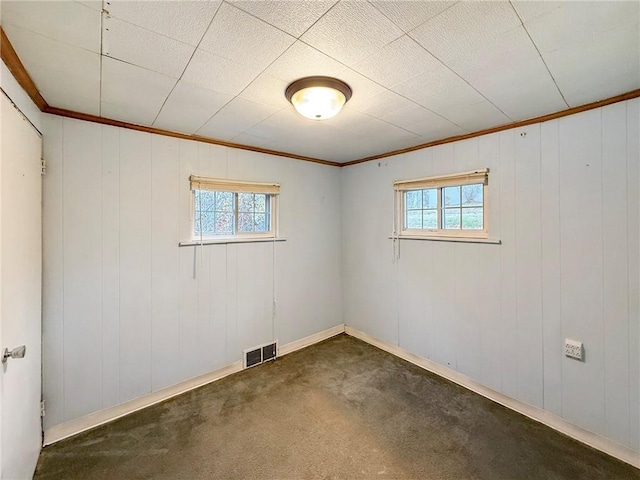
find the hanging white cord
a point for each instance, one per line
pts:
(395, 236)
(393, 231)
(273, 292)
(200, 221)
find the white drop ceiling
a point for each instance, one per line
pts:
(420, 70)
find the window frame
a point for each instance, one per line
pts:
(270, 190)
(474, 177)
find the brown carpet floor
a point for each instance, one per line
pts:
(340, 409)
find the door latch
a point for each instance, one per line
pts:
(17, 352)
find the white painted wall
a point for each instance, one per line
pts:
(564, 199)
(19, 97)
(126, 311)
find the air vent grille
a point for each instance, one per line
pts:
(260, 354)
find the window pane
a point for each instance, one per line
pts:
(245, 222)
(414, 219)
(451, 196)
(224, 223)
(245, 202)
(261, 202)
(451, 218)
(472, 219)
(261, 222)
(413, 199)
(204, 220)
(430, 219)
(430, 198)
(224, 201)
(472, 195)
(207, 200)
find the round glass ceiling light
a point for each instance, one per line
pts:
(318, 98)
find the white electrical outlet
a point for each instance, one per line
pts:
(573, 349)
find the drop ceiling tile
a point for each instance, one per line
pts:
(93, 4)
(66, 76)
(126, 112)
(605, 66)
(436, 128)
(463, 26)
(189, 107)
(185, 21)
(238, 36)
(409, 15)
(267, 89)
(131, 93)
(281, 127)
(355, 122)
(522, 92)
(393, 139)
(492, 56)
(363, 88)
(69, 22)
(217, 73)
(528, 10)
(360, 125)
(397, 62)
(236, 117)
(439, 83)
(579, 22)
(476, 116)
(351, 31)
(383, 103)
(294, 17)
(266, 143)
(419, 120)
(302, 60)
(139, 46)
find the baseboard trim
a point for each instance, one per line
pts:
(79, 425)
(311, 339)
(589, 438)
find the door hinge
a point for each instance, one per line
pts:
(42, 408)
(43, 166)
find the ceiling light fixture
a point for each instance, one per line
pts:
(318, 98)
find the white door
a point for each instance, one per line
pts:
(20, 292)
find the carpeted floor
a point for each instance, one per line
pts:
(340, 409)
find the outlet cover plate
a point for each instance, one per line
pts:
(573, 349)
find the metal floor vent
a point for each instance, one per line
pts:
(260, 354)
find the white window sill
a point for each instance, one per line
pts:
(226, 241)
(439, 238)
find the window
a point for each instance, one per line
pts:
(445, 206)
(229, 208)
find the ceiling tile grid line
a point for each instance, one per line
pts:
(539, 53)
